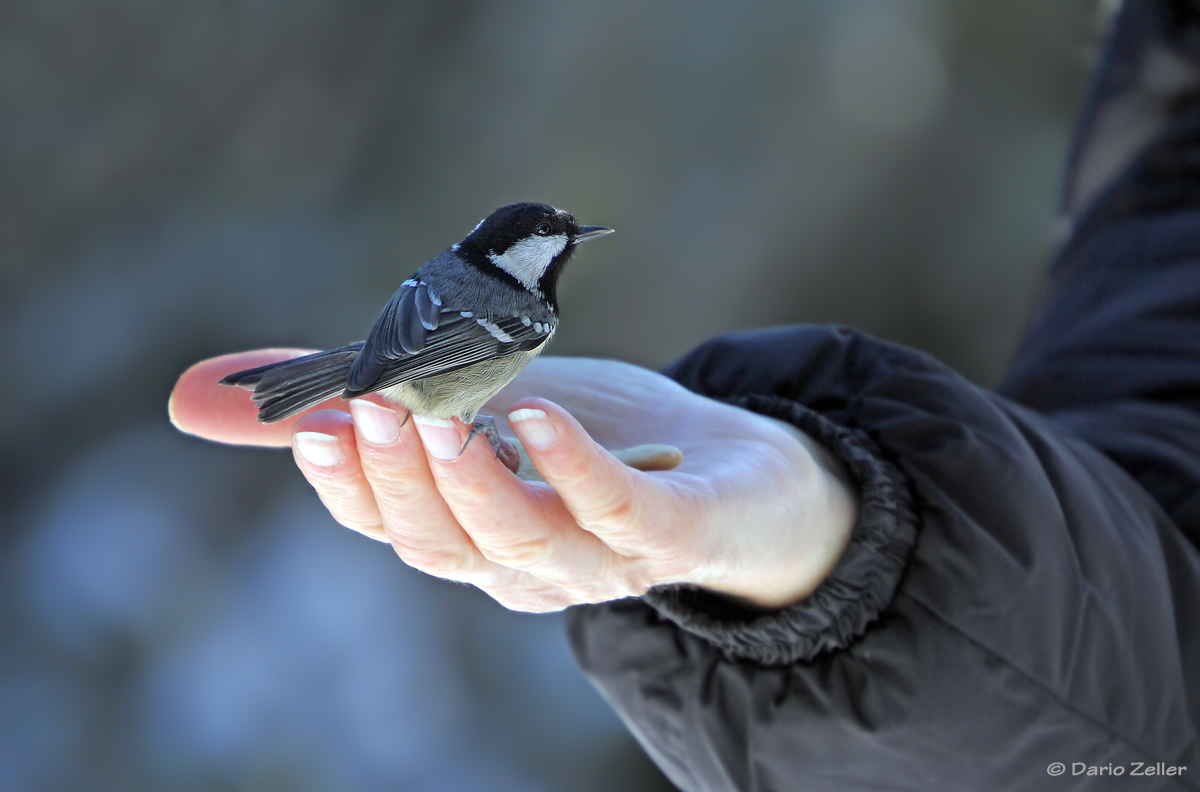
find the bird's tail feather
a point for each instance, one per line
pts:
(285, 388)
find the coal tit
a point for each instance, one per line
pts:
(455, 333)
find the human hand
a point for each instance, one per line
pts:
(755, 510)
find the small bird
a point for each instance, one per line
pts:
(455, 333)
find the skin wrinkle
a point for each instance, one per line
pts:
(525, 554)
(610, 509)
(698, 506)
(618, 508)
(393, 478)
(598, 587)
(530, 595)
(662, 535)
(336, 492)
(438, 562)
(639, 530)
(528, 552)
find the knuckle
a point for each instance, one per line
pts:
(533, 601)
(439, 562)
(350, 510)
(528, 554)
(363, 525)
(614, 507)
(397, 486)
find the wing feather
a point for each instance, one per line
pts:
(407, 332)
(428, 307)
(454, 343)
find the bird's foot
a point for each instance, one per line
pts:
(486, 425)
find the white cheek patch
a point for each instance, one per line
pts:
(528, 259)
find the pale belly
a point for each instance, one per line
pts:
(458, 394)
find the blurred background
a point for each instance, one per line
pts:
(180, 180)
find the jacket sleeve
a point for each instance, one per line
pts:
(1044, 606)
(1021, 588)
(858, 588)
(1113, 352)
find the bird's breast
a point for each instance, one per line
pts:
(459, 394)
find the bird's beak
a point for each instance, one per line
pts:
(590, 232)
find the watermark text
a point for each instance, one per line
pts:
(1131, 769)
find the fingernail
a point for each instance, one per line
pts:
(532, 427)
(376, 424)
(439, 437)
(319, 449)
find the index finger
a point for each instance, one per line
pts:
(199, 406)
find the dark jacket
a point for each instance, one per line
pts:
(1023, 585)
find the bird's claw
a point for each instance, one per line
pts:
(486, 426)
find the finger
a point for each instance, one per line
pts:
(199, 406)
(324, 448)
(520, 525)
(630, 511)
(416, 520)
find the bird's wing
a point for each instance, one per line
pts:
(416, 337)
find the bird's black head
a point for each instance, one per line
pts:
(528, 243)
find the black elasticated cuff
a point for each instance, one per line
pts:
(855, 592)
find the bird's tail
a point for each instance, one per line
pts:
(285, 388)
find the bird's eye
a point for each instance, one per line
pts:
(542, 229)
